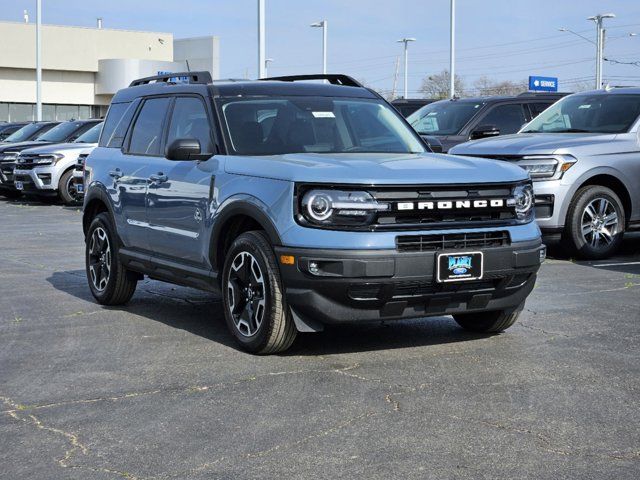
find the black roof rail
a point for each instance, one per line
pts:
(540, 94)
(332, 78)
(193, 77)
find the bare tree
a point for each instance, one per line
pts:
(486, 86)
(437, 85)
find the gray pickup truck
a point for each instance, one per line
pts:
(583, 155)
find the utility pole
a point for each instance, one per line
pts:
(261, 40)
(395, 78)
(267, 61)
(324, 25)
(452, 51)
(406, 63)
(38, 60)
(600, 33)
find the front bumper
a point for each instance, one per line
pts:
(40, 180)
(386, 284)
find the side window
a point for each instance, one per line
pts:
(538, 108)
(508, 118)
(146, 136)
(189, 120)
(114, 116)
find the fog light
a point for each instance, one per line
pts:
(313, 268)
(543, 253)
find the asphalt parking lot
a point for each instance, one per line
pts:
(157, 390)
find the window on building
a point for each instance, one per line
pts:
(146, 137)
(4, 112)
(21, 112)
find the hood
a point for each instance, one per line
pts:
(59, 148)
(18, 147)
(548, 143)
(375, 169)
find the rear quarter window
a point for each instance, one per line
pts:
(116, 124)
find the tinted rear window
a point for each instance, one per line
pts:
(115, 117)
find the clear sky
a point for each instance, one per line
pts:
(503, 39)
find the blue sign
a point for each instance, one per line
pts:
(543, 84)
(175, 79)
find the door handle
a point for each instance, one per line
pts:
(158, 178)
(117, 173)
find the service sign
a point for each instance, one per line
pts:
(543, 84)
(175, 79)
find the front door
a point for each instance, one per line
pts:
(178, 194)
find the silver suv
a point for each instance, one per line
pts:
(583, 154)
(49, 170)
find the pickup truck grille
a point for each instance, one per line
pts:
(425, 207)
(80, 162)
(430, 243)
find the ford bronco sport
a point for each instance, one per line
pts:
(303, 203)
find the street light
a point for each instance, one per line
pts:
(38, 60)
(598, 20)
(261, 40)
(452, 50)
(406, 63)
(324, 25)
(267, 61)
(563, 29)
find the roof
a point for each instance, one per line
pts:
(612, 91)
(503, 98)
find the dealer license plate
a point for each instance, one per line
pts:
(458, 267)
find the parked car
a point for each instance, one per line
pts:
(49, 170)
(406, 106)
(61, 133)
(583, 155)
(461, 119)
(78, 173)
(303, 203)
(8, 128)
(28, 131)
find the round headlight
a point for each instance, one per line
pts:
(319, 206)
(523, 195)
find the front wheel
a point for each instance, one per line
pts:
(488, 322)
(254, 305)
(67, 189)
(595, 223)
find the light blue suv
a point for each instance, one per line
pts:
(303, 203)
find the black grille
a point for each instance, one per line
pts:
(417, 289)
(80, 162)
(429, 207)
(429, 243)
(27, 162)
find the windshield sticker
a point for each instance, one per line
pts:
(323, 114)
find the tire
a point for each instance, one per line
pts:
(488, 322)
(110, 282)
(66, 189)
(595, 212)
(254, 306)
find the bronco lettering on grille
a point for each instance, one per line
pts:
(453, 204)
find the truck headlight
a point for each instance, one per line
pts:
(340, 207)
(523, 200)
(550, 167)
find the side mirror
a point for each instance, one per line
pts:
(433, 143)
(484, 131)
(183, 149)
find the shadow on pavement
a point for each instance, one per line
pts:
(201, 314)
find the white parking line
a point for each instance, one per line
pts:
(616, 264)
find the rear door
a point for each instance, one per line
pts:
(178, 198)
(143, 144)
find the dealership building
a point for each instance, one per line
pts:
(83, 67)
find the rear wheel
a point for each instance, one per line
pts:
(254, 305)
(595, 223)
(67, 189)
(488, 322)
(110, 282)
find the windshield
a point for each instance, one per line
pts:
(280, 125)
(24, 133)
(443, 118)
(588, 114)
(60, 133)
(91, 135)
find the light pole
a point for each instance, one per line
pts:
(406, 63)
(267, 61)
(38, 60)
(598, 20)
(261, 40)
(452, 51)
(324, 25)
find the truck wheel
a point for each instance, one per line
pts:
(595, 223)
(254, 305)
(488, 322)
(67, 189)
(110, 282)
